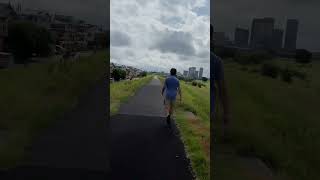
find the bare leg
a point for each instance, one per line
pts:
(170, 109)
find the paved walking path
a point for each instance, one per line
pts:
(75, 148)
(142, 146)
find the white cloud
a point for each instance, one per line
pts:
(159, 34)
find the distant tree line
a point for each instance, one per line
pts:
(258, 56)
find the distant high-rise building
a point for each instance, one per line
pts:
(277, 39)
(201, 73)
(192, 71)
(291, 34)
(185, 73)
(196, 75)
(241, 37)
(261, 33)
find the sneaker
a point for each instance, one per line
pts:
(168, 120)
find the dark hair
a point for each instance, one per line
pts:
(173, 72)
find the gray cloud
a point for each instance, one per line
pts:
(163, 34)
(175, 42)
(118, 38)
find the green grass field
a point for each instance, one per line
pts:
(121, 91)
(275, 121)
(195, 131)
(34, 96)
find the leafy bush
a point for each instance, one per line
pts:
(303, 56)
(269, 69)
(246, 58)
(198, 83)
(286, 75)
(205, 79)
(194, 83)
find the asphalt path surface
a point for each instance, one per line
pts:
(143, 147)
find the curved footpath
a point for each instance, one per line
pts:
(142, 146)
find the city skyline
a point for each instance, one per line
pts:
(193, 73)
(262, 34)
(228, 14)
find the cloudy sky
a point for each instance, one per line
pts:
(93, 11)
(227, 14)
(160, 34)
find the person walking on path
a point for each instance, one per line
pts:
(218, 84)
(171, 88)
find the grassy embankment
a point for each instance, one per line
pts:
(34, 96)
(121, 91)
(274, 121)
(195, 130)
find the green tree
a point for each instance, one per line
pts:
(27, 38)
(123, 74)
(118, 74)
(21, 41)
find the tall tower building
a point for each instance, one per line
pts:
(192, 71)
(185, 73)
(290, 42)
(277, 39)
(261, 33)
(201, 73)
(196, 75)
(241, 37)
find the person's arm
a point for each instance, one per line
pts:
(222, 91)
(224, 99)
(163, 87)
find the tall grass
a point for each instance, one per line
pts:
(195, 133)
(276, 121)
(32, 97)
(121, 91)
